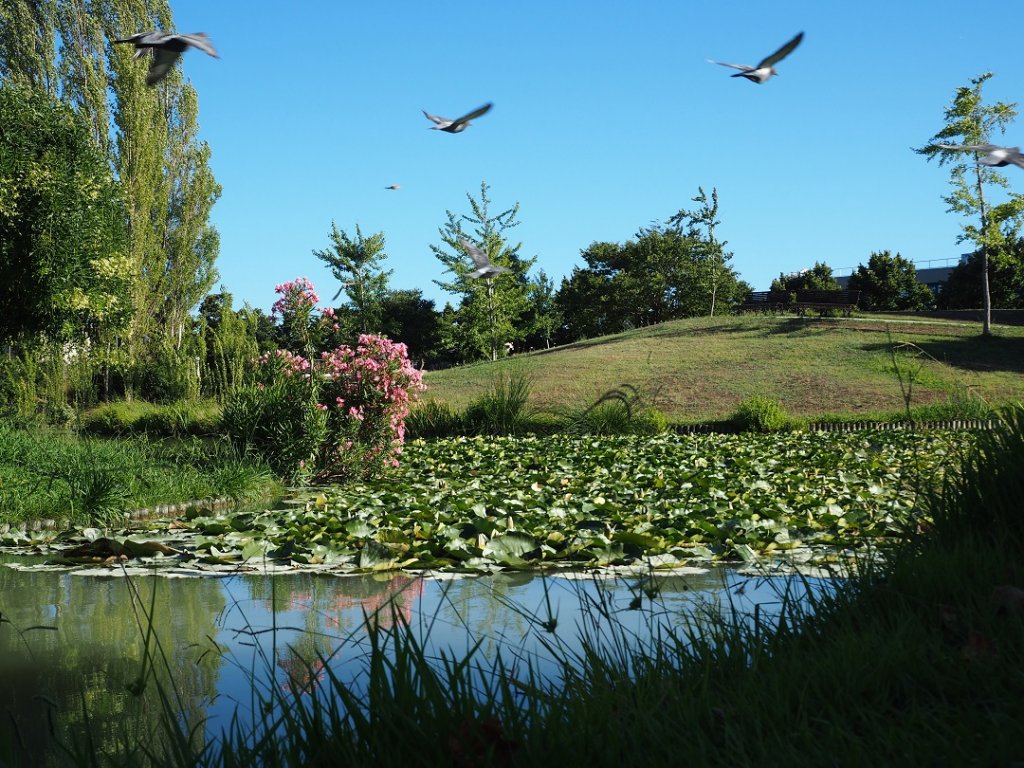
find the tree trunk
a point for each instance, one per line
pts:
(986, 297)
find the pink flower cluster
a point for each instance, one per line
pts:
(369, 388)
(297, 297)
(365, 393)
(285, 363)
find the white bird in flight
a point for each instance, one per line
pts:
(483, 265)
(766, 68)
(166, 49)
(994, 155)
(458, 124)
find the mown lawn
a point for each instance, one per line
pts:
(702, 368)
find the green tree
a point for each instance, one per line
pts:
(889, 282)
(63, 266)
(490, 311)
(709, 257)
(411, 319)
(544, 318)
(962, 289)
(27, 44)
(817, 278)
(989, 225)
(355, 263)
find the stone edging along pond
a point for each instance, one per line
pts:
(147, 513)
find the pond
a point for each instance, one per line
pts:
(73, 641)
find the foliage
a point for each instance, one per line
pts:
(503, 409)
(544, 318)
(761, 414)
(963, 287)
(819, 278)
(890, 283)
(277, 416)
(137, 417)
(661, 275)
(51, 474)
(969, 121)
(711, 260)
(491, 311)
(413, 320)
(619, 411)
(481, 503)
(432, 419)
(333, 418)
(229, 340)
(299, 327)
(365, 392)
(354, 262)
(63, 268)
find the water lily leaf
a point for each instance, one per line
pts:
(144, 548)
(375, 556)
(91, 534)
(510, 548)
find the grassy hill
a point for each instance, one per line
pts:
(702, 368)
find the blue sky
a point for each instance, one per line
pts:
(606, 117)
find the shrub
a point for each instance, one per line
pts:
(189, 417)
(341, 416)
(503, 409)
(431, 419)
(277, 416)
(761, 414)
(365, 392)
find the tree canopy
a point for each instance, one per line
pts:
(988, 224)
(889, 282)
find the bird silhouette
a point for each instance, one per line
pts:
(166, 49)
(995, 156)
(457, 125)
(393, 186)
(766, 68)
(343, 287)
(483, 265)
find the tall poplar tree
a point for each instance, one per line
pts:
(27, 43)
(969, 121)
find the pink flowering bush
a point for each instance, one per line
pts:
(337, 416)
(366, 392)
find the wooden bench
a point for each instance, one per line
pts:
(826, 301)
(765, 301)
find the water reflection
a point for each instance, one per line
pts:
(72, 643)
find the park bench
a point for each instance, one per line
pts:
(826, 301)
(765, 301)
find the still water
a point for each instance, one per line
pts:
(72, 642)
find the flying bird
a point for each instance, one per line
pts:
(459, 124)
(483, 265)
(166, 49)
(766, 68)
(393, 186)
(343, 287)
(994, 155)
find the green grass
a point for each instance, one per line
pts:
(199, 418)
(701, 369)
(54, 475)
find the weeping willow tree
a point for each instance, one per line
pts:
(150, 138)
